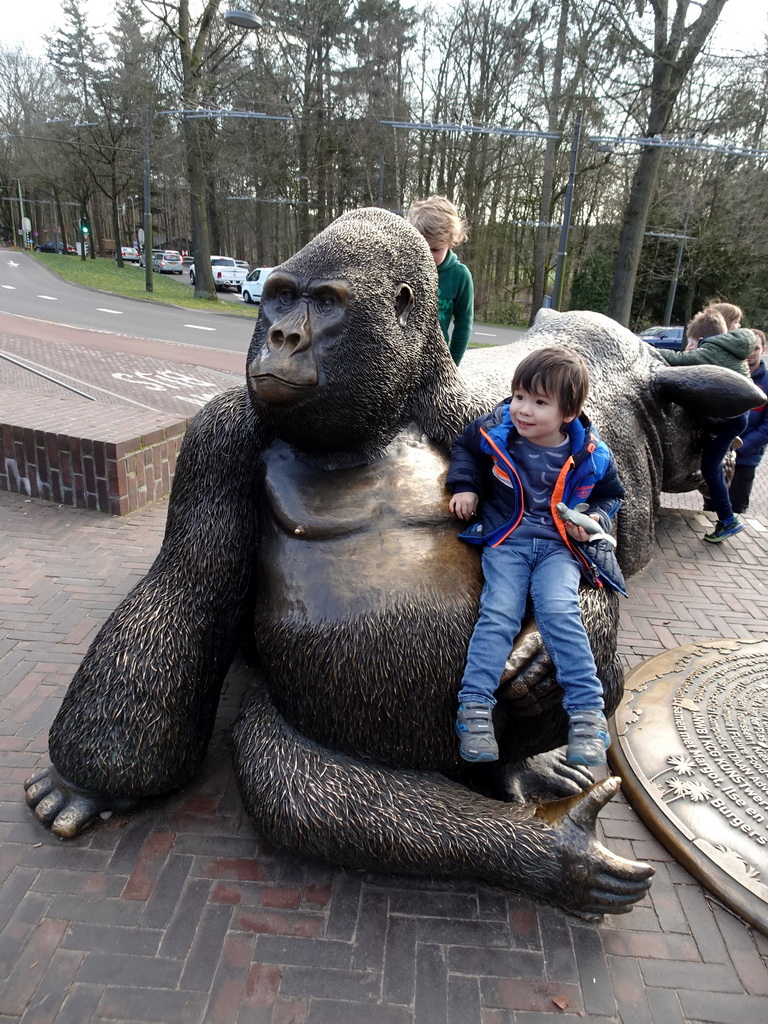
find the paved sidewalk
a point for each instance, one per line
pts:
(180, 913)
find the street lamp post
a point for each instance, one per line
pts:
(147, 206)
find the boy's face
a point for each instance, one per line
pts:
(438, 248)
(538, 417)
(753, 359)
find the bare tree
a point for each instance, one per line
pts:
(677, 43)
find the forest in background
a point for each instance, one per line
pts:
(329, 74)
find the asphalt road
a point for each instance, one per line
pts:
(29, 290)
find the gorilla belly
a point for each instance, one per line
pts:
(365, 603)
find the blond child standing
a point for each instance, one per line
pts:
(438, 220)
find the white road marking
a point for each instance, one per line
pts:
(101, 309)
(120, 334)
(197, 327)
(10, 287)
(482, 334)
(51, 298)
(12, 264)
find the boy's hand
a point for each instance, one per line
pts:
(578, 532)
(463, 504)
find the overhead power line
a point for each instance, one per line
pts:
(657, 142)
(433, 126)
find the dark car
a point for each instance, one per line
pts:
(55, 247)
(664, 337)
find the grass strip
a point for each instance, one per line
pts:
(104, 275)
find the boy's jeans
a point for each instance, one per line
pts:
(550, 572)
(712, 464)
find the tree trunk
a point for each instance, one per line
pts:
(191, 61)
(632, 234)
(548, 174)
(116, 220)
(198, 213)
(676, 47)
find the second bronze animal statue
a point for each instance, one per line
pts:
(308, 513)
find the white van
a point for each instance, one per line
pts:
(254, 284)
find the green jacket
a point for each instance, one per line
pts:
(455, 302)
(729, 350)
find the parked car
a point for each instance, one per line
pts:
(243, 263)
(155, 252)
(664, 337)
(168, 261)
(129, 254)
(55, 247)
(226, 273)
(254, 285)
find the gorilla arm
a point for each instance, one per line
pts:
(138, 715)
(322, 804)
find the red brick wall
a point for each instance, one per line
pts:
(116, 474)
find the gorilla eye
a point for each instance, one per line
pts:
(286, 295)
(327, 302)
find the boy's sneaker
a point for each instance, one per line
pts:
(474, 727)
(723, 531)
(588, 738)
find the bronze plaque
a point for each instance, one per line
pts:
(690, 741)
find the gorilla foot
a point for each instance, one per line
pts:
(66, 808)
(593, 881)
(545, 776)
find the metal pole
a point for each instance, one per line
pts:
(21, 214)
(147, 208)
(381, 179)
(13, 222)
(676, 274)
(557, 290)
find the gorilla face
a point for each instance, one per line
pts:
(304, 318)
(343, 340)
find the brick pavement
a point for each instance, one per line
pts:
(181, 913)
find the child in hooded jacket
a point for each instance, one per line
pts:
(717, 347)
(517, 463)
(754, 438)
(438, 220)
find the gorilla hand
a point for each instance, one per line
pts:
(68, 809)
(528, 682)
(545, 776)
(592, 881)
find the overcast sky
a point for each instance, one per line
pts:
(742, 24)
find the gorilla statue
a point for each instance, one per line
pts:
(309, 515)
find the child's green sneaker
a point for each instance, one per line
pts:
(724, 530)
(588, 738)
(474, 727)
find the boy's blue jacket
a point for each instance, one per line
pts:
(755, 437)
(481, 463)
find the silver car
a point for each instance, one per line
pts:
(167, 262)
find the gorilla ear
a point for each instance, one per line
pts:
(711, 392)
(404, 303)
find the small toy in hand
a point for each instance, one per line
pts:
(587, 523)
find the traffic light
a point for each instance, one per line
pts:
(84, 228)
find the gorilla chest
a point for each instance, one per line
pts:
(346, 543)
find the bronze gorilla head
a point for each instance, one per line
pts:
(335, 360)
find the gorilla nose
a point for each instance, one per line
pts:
(292, 334)
(278, 338)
